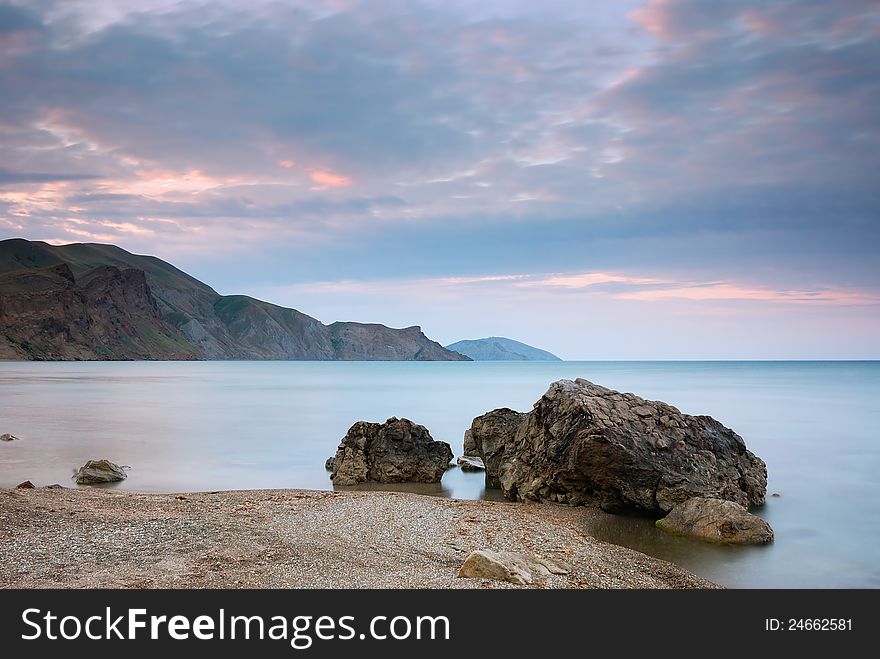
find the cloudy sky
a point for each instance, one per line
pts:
(626, 179)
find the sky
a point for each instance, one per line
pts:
(670, 179)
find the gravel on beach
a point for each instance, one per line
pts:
(106, 538)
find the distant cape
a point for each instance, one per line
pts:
(498, 348)
(90, 301)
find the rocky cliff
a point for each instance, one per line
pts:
(91, 301)
(108, 313)
(353, 341)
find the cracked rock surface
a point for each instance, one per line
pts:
(586, 444)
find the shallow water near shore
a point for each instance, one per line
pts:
(185, 426)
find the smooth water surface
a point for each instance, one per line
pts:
(185, 426)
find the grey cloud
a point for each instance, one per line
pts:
(234, 202)
(95, 197)
(15, 19)
(737, 106)
(373, 90)
(11, 178)
(735, 118)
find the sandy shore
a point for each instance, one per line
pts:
(75, 538)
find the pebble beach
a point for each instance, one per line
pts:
(103, 538)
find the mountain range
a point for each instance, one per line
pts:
(89, 301)
(499, 348)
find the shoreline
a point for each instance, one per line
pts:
(106, 538)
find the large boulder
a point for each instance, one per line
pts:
(488, 437)
(583, 443)
(716, 520)
(95, 472)
(396, 451)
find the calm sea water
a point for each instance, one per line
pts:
(237, 425)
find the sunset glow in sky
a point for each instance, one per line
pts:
(628, 179)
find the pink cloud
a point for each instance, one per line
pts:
(653, 17)
(286, 164)
(587, 279)
(328, 179)
(637, 288)
(723, 291)
(641, 289)
(760, 23)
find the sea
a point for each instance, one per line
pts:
(195, 426)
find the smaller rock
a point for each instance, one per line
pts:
(471, 463)
(716, 520)
(53, 486)
(515, 567)
(27, 485)
(6, 437)
(487, 564)
(776, 494)
(94, 472)
(470, 446)
(331, 462)
(397, 451)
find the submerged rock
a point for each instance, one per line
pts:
(515, 567)
(396, 451)
(6, 437)
(471, 463)
(583, 443)
(716, 520)
(95, 472)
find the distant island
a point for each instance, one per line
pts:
(498, 348)
(89, 301)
